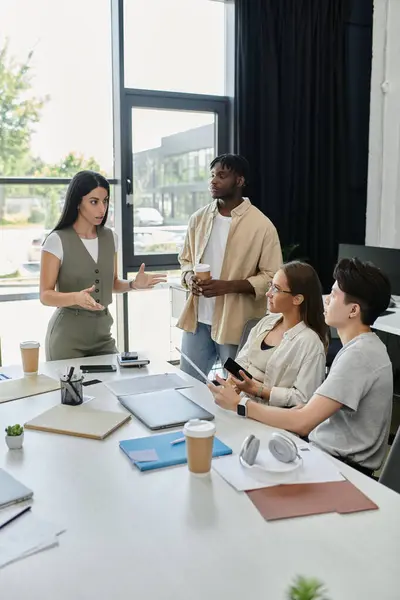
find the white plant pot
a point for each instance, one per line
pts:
(14, 442)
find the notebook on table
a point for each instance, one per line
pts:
(23, 387)
(80, 421)
(11, 490)
(161, 410)
(168, 455)
(304, 499)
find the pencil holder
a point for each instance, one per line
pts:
(71, 390)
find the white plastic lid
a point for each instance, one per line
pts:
(202, 268)
(29, 345)
(199, 429)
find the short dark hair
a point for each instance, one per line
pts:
(364, 284)
(233, 162)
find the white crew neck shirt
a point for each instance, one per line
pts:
(214, 256)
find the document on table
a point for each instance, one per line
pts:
(146, 384)
(315, 468)
(25, 536)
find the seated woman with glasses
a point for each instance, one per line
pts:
(286, 351)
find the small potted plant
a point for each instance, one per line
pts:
(305, 588)
(14, 436)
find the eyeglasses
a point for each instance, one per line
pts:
(275, 290)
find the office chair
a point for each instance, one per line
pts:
(245, 333)
(390, 476)
(333, 348)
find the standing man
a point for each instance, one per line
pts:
(242, 247)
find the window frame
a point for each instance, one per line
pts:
(146, 99)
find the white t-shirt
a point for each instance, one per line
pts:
(53, 245)
(214, 256)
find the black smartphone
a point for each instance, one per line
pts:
(98, 368)
(91, 382)
(129, 356)
(233, 368)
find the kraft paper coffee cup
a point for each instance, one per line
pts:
(202, 271)
(199, 437)
(30, 357)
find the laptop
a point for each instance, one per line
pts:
(11, 490)
(165, 409)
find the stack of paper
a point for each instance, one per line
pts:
(25, 536)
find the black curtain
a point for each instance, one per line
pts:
(301, 119)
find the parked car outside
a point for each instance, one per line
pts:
(35, 249)
(147, 217)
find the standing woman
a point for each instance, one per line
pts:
(78, 273)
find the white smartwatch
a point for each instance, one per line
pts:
(241, 408)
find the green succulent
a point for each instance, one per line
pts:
(304, 588)
(14, 430)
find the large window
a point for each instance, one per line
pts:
(171, 154)
(55, 119)
(155, 143)
(175, 45)
(55, 86)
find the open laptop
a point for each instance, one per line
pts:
(165, 409)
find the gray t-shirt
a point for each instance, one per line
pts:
(361, 379)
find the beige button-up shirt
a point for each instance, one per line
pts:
(253, 252)
(294, 370)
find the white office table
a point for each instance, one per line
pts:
(168, 536)
(389, 323)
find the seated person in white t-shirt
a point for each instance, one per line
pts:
(285, 352)
(349, 414)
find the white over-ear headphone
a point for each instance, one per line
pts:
(281, 446)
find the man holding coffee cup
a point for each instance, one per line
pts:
(230, 254)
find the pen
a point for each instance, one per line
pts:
(178, 441)
(15, 517)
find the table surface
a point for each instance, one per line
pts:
(167, 535)
(389, 323)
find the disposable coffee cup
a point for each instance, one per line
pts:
(199, 436)
(30, 357)
(202, 272)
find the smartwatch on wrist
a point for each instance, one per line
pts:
(241, 408)
(131, 283)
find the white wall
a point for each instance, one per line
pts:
(383, 202)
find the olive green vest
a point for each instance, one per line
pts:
(78, 270)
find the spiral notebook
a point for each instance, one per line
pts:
(167, 455)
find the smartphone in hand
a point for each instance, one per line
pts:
(233, 368)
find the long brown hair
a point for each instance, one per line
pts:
(303, 279)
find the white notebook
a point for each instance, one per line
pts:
(23, 387)
(81, 421)
(11, 490)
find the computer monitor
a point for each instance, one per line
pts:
(387, 259)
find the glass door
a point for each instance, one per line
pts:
(170, 145)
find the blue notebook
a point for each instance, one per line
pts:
(167, 455)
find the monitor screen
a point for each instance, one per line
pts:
(387, 259)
